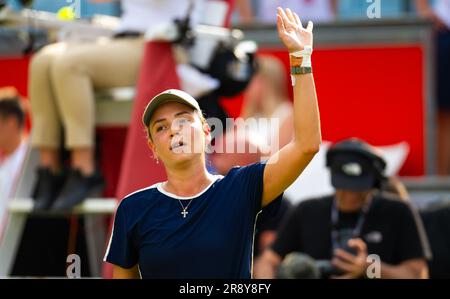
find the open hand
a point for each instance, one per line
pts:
(291, 31)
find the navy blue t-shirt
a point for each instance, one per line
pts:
(215, 240)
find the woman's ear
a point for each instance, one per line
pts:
(151, 146)
(207, 131)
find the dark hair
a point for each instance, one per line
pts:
(12, 107)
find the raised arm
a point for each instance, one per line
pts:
(287, 164)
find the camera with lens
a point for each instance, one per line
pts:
(298, 265)
(327, 269)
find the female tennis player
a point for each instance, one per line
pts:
(195, 224)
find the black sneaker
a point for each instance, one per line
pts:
(46, 189)
(76, 189)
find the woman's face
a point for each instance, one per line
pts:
(177, 134)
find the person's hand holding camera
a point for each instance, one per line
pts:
(353, 266)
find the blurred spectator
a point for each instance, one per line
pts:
(244, 8)
(62, 79)
(265, 98)
(395, 187)
(331, 237)
(308, 10)
(13, 146)
(439, 14)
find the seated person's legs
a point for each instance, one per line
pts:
(46, 133)
(73, 76)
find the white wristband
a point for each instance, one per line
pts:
(305, 54)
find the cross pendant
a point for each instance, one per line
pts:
(184, 213)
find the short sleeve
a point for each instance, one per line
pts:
(288, 235)
(410, 243)
(251, 177)
(121, 251)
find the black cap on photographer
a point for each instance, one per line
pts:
(355, 166)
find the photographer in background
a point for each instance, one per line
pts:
(13, 146)
(331, 237)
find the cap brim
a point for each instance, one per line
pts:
(163, 98)
(344, 182)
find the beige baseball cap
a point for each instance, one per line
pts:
(169, 95)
